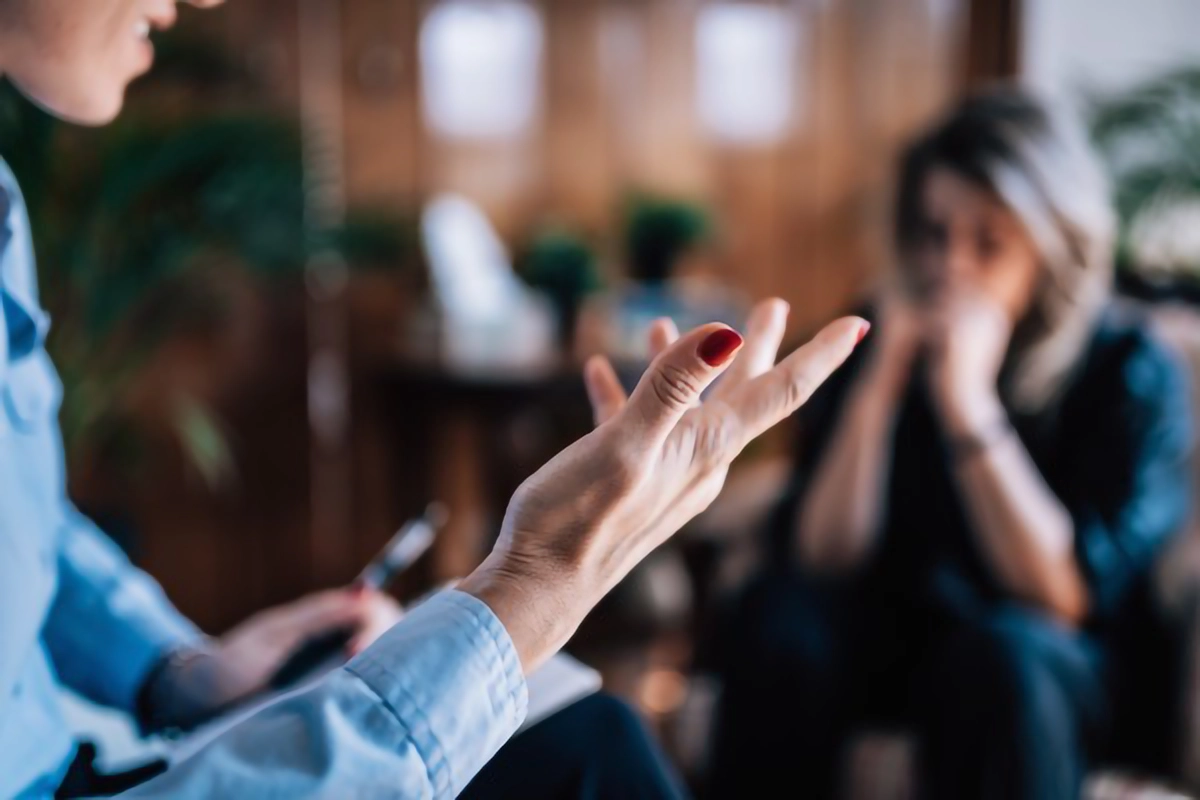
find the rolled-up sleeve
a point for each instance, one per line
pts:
(110, 623)
(1132, 479)
(416, 715)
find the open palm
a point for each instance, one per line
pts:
(660, 456)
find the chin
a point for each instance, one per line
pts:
(90, 100)
(98, 108)
(100, 115)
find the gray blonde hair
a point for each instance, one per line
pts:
(1038, 161)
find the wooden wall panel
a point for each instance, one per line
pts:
(993, 42)
(381, 95)
(578, 149)
(804, 218)
(265, 34)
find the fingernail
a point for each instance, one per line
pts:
(862, 332)
(719, 346)
(358, 589)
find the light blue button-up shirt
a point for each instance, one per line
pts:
(416, 715)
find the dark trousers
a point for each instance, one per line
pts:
(1005, 703)
(596, 749)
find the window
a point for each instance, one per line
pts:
(746, 62)
(480, 68)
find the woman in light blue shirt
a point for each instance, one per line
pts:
(425, 707)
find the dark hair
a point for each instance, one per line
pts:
(969, 142)
(1037, 160)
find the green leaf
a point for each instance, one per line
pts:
(201, 436)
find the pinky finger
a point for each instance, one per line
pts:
(770, 398)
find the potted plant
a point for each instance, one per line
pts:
(165, 226)
(1149, 138)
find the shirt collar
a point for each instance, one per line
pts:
(22, 322)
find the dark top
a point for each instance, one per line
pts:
(1115, 450)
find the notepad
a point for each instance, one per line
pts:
(560, 682)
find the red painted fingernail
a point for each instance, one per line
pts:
(358, 589)
(718, 346)
(862, 332)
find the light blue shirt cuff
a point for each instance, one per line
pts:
(154, 637)
(451, 675)
(110, 623)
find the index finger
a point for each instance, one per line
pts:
(774, 396)
(764, 333)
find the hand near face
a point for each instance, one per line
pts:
(967, 337)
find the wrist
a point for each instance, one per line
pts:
(964, 448)
(971, 414)
(539, 607)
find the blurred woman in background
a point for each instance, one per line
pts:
(964, 547)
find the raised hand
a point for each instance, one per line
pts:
(656, 459)
(968, 337)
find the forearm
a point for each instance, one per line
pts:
(840, 516)
(1022, 526)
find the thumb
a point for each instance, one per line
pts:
(679, 375)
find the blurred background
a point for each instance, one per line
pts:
(341, 258)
